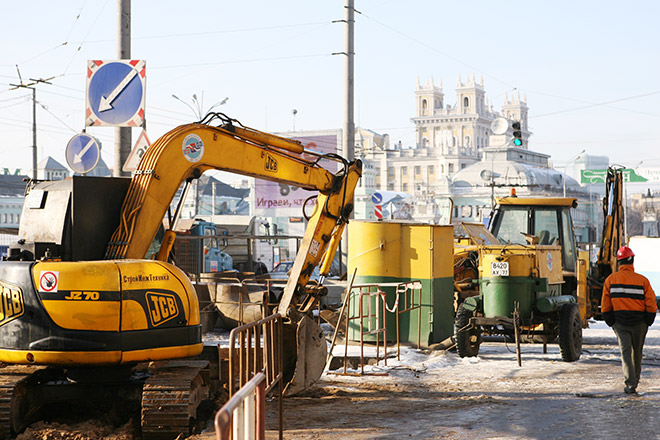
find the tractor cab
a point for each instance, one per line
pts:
(546, 221)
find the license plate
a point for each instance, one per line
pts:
(499, 268)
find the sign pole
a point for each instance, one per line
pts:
(123, 134)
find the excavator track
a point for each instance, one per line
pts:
(171, 396)
(16, 406)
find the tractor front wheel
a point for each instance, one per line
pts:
(467, 339)
(570, 333)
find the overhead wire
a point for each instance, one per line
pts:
(85, 38)
(476, 69)
(434, 49)
(601, 104)
(57, 118)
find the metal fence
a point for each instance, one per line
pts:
(244, 415)
(257, 348)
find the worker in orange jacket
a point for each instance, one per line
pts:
(629, 307)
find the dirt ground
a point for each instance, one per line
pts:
(489, 397)
(437, 395)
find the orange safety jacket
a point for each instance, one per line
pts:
(628, 298)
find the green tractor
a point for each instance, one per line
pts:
(532, 288)
(525, 279)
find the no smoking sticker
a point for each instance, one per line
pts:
(48, 281)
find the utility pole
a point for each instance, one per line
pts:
(32, 87)
(348, 138)
(123, 134)
(34, 133)
(349, 115)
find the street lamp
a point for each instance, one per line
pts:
(199, 111)
(199, 114)
(566, 166)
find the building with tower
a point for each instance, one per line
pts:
(457, 133)
(463, 153)
(450, 137)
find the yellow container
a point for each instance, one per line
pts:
(395, 252)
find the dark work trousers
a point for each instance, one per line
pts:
(631, 341)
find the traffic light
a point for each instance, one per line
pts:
(517, 134)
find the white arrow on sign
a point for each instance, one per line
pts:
(77, 158)
(106, 103)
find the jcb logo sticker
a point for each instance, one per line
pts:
(162, 307)
(271, 163)
(11, 303)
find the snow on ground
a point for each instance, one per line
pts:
(438, 395)
(496, 356)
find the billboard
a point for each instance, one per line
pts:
(282, 200)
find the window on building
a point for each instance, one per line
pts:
(462, 165)
(466, 102)
(390, 186)
(404, 171)
(450, 168)
(390, 171)
(431, 169)
(404, 187)
(442, 169)
(418, 169)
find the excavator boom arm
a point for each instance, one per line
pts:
(189, 150)
(186, 152)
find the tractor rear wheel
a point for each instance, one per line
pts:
(570, 333)
(467, 340)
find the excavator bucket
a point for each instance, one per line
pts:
(305, 351)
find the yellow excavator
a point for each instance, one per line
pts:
(82, 306)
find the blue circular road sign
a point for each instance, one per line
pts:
(115, 93)
(83, 153)
(377, 198)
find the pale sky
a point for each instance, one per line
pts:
(590, 69)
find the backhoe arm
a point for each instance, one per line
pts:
(613, 221)
(188, 151)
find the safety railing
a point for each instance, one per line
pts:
(376, 317)
(408, 299)
(257, 348)
(244, 415)
(408, 291)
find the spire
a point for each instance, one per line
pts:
(432, 81)
(525, 98)
(440, 83)
(418, 81)
(481, 80)
(506, 98)
(459, 80)
(473, 83)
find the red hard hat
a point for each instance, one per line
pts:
(624, 252)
